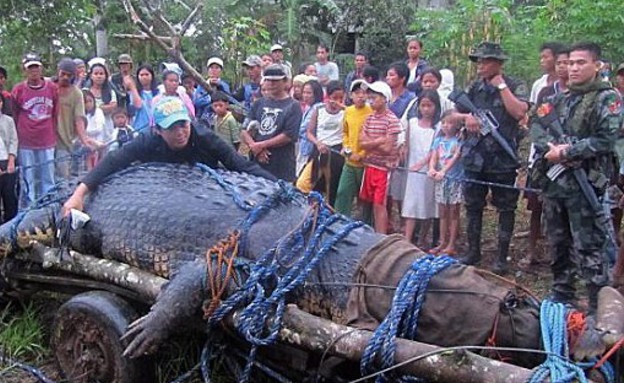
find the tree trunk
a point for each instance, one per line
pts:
(101, 38)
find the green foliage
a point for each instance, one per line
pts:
(21, 333)
(521, 28)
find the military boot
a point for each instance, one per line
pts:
(592, 295)
(473, 231)
(506, 220)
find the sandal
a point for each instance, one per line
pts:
(450, 253)
(435, 251)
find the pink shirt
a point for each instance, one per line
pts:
(35, 114)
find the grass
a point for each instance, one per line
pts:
(21, 332)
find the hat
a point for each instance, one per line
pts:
(277, 47)
(487, 50)
(253, 60)
(31, 59)
(619, 68)
(79, 62)
(301, 78)
(215, 60)
(169, 110)
(274, 72)
(124, 58)
(97, 61)
(379, 87)
(357, 83)
(67, 65)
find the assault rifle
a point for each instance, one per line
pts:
(548, 119)
(487, 121)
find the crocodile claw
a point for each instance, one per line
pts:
(143, 337)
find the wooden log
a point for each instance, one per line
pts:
(146, 285)
(141, 37)
(318, 335)
(610, 315)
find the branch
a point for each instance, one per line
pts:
(189, 20)
(142, 37)
(134, 16)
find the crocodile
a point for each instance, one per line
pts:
(162, 218)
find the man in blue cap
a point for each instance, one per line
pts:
(175, 140)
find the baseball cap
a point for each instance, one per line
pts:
(169, 110)
(31, 59)
(253, 60)
(67, 65)
(379, 87)
(124, 58)
(215, 60)
(79, 62)
(301, 78)
(96, 61)
(619, 68)
(274, 72)
(487, 50)
(356, 84)
(277, 47)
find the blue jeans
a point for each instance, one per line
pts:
(37, 168)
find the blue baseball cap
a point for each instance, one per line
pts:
(169, 110)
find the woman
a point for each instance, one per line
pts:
(396, 77)
(432, 79)
(325, 133)
(311, 98)
(105, 98)
(141, 96)
(171, 83)
(414, 62)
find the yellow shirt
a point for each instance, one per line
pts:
(351, 125)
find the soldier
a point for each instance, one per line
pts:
(589, 115)
(483, 158)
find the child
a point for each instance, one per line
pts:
(324, 131)
(95, 124)
(122, 132)
(8, 153)
(379, 139)
(225, 125)
(421, 124)
(445, 169)
(351, 176)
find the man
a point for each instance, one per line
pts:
(545, 86)
(483, 157)
(277, 54)
(81, 73)
(124, 63)
(35, 109)
(71, 118)
(248, 92)
(6, 107)
(590, 114)
(619, 79)
(360, 61)
(326, 70)
(274, 126)
(175, 141)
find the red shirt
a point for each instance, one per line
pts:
(35, 112)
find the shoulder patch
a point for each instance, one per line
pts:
(613, 103)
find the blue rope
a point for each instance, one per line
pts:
(557, 365)
(259, 299)
(402, 319)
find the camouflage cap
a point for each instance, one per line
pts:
(487, 50)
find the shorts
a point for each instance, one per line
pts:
(375, 185)
(448, 191)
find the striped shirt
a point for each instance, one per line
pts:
(380, 125)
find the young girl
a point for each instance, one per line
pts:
(171, 85)
(419, 192)
(325, 132)
(141, 95)
(95, 127)
(445, 169)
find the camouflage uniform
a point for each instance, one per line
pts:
(485, 160)
(590, 116)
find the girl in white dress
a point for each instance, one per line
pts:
(419, 204)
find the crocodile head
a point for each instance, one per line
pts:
(31, 225)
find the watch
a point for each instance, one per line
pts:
(502, 86)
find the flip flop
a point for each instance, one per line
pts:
(450, 253)
(435, 251)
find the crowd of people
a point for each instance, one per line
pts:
(374, 143)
